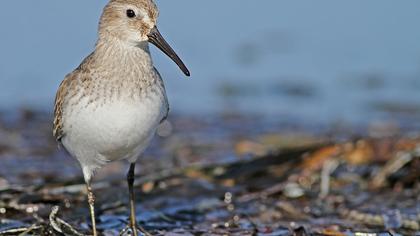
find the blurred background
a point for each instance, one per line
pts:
(298, 115)
(317, 62)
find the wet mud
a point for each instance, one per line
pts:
(224, 175)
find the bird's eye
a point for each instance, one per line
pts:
(131, 13)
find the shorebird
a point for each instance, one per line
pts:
(109, 108)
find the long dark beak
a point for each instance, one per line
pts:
(157, 39)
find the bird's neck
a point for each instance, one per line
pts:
(120, 55)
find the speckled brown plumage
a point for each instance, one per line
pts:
(98, 84)
(67, 87)
(58, 109)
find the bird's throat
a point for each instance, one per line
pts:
(115, 53)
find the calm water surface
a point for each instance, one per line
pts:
(319, 61)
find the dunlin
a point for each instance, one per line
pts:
(109, 108)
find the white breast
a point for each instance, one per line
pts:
(121, 129)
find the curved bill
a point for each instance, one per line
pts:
(157, 39)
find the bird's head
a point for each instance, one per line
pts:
(135, 22)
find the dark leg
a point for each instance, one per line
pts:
(91, 200)
(130, 181)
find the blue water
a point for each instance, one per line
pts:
(311, 60)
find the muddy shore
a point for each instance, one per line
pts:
(224, 175)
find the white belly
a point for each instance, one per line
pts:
(121, 129)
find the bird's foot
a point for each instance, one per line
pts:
(128, 230)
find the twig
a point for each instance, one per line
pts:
(395, 164)
(20, 230)
(327, 169)
(34, 226)
(60, 225)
